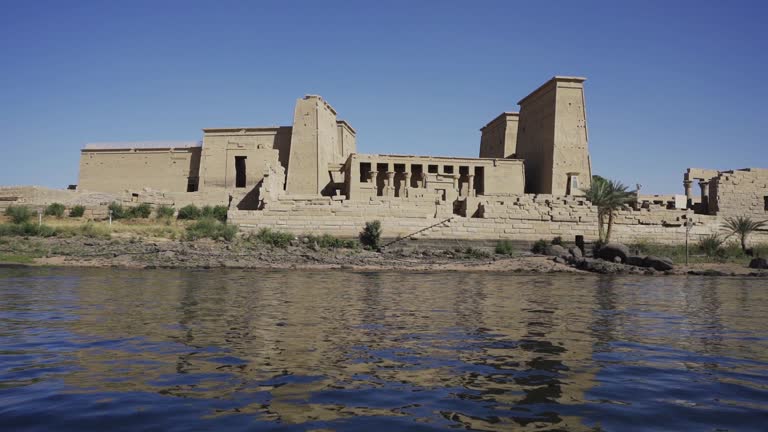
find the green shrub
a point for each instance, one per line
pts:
(91, 230)
(274, 238)
(55, 209)
(142, 211)
(211, 228)
(189, 212)
(164, 211)
(327, 241)
(26, 229)
(370, 237)
(539, 246)
(118, 211)
(471, 252)
(77, 211)
(712, 245)
(505, 247)
(557, 241)
(218, 212)
(18, 214)
(760, 251)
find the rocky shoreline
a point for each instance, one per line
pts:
(208, 254)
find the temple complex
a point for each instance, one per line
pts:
(527, 183)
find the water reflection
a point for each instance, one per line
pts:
(347, 351)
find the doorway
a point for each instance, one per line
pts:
(240, 171)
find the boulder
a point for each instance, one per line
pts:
(635, 260)
(658, 263)
(758, 263)
(556, 251)
(575, 251)
(612, 250)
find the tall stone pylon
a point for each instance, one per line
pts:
(552, 138)
(314, 145)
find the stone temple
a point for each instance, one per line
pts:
(542, 149)
(526, 184)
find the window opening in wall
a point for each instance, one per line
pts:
(573, 184)
(448, 169)
(365, 169)
(240, 171)
(416, 172)
(480, 180)
(399, 168)
(432, 169)
(464, 170)
(766, 202)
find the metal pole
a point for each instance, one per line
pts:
(39, 217)
(688, 225)
(110, 217)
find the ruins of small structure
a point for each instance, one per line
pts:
(526, 184)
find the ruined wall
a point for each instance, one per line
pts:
(314, 145)
(118, 170)
(552, 136)
(740, 193)
(499, 137)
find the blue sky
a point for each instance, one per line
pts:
(671, 84)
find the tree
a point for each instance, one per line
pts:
(608, 196)
(743, 226)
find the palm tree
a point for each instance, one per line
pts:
(608, 196)
(743, 226)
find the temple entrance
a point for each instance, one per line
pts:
(240, 171)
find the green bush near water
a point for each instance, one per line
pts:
(539, 246)
(18, 214)
(370, 237)
(211, 228)
(218, 212)
(29, 229)
(505, 247)
(274, 238)
(164, 211)
(55, 209)
(77, 211)
(142, 211)
(189, 212)
(327, 241)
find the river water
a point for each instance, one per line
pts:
(167, 350)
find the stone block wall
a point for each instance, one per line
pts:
(740, 193)
(523, 217)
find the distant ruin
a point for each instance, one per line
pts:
(527, 182)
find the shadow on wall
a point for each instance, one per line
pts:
(251, 201)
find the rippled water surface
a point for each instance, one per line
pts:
(109, 350)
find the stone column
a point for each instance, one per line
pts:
(688, 194)
(704, 185)
(471, 183)
(406, 185)
(372, 176)
(390, 184)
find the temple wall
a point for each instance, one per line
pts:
(499, 137)
(117, 170)
(259, 146)
(525, 217)
(740, 193)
